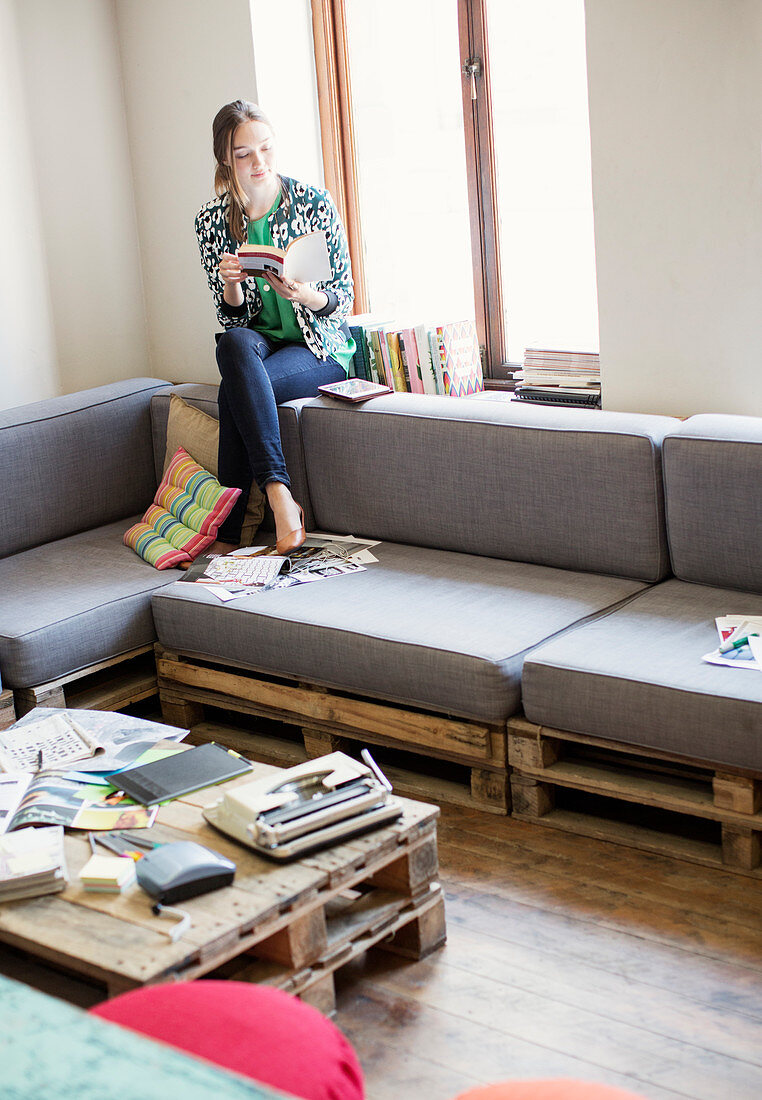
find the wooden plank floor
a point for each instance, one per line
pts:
(567, 956)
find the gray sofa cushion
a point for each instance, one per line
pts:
(75, 462)
(203, 396)
(713, 479)
(72, 603)
(636, 676)
(571, 488)
(427, 628)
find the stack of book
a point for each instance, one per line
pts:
(414, 357)
(32, 862)
(559, 377)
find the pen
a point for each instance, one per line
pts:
(737, 642)
(119, 847)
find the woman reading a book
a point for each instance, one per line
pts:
(282, 338)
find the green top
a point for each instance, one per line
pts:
(276, 320)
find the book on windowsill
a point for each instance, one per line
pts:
(354, 389)
(456, 345)
(582, 397)
(305, 260)
(557, 358)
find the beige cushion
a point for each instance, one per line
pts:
(198, 433)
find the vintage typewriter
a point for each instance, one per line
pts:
(310, 806)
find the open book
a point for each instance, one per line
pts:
(305, 259)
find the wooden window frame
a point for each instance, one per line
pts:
(337, 135)
(329, 27)
(482, 183)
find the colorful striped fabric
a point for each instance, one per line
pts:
(189, 506)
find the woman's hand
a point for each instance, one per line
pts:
(292, 291)
(231, 271)
(232, 275)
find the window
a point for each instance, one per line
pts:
(456, 142)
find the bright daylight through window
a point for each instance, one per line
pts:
(409, 99)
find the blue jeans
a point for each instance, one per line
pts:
(255, 380)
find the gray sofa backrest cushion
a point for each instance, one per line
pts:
(204, 396)
(713, 482)
(76, 462)
(573, 488)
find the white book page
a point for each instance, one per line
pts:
(13, 787)
(307, 259)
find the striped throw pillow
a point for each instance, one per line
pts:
(189, 506)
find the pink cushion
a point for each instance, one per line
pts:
(254, 1030)
(189, 506)
(554, 1089)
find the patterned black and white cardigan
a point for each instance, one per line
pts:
(303, 210)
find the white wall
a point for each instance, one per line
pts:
(181, 61)
(81, 168)
(105, 156)
(676, 129)
(28, 369)
(294, 115)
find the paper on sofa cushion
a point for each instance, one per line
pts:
(730, 628)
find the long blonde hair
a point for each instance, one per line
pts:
(226, 122)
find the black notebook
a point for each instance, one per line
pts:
(579, 398)
(180, 773)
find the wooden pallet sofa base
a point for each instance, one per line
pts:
(108, 685)
(583, 784)
(7, 710)
(190, 686)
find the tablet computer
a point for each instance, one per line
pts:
(179, 774)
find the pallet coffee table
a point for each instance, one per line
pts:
(288, 925)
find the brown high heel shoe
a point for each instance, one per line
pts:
(293, 540)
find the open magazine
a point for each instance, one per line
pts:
(66, 798)
(121, 738)
(80, 797)
(52, 741)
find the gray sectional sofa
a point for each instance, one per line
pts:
(501, 525)
(547, 582)
(73, 599)
(76, 625)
